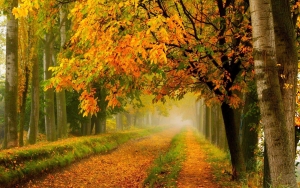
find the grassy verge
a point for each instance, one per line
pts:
(166, 167)
(19, 164)
(219, 161)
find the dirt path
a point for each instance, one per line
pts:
(195, 171)
(125, 167)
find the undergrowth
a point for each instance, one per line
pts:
(20, 164)
(166, 167)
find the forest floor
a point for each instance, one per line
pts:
(127, 166)
(195, 172)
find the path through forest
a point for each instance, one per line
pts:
(127, 166)
(195, 172)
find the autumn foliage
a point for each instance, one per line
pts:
(128, 46)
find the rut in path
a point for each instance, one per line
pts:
(125, 167)
(195, 172)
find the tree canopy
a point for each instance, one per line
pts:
(162, 47)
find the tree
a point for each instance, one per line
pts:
(250, 127)
(35, 83)
(11, 82)
(287, 58)
(269, 93)
(61, 96)
(24, 71)
(166, 48)
(35, 102)
(50, 126)
(46, 12)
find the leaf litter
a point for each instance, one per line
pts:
(127, 166)
(195, 172)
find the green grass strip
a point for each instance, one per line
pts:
(19, 164)
(168, 165)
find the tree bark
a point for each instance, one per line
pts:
(49, 94)
(103, 123)
(232, 134)
(267, 178)
(119, 125)
(250, 130)
(23, 108)
(61, 95)
(11, 82)
(35, 85)
(86, 126)
(35, 102)
(287, 57)
(280, 157)
(103, 105)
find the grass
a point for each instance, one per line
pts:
(20, 164)
(166, 167)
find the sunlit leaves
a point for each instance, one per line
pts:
(165, 48)
(26, 6)
(88, 103)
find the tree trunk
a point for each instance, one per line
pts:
(49, 94)
(267, 178)
(101, 92)
(204, 120)
(86, 126)
(250, 130)
(35, 102)
(287, 57)
(23, 108)
(11, 81)
(136, 119)
(96, 121)
(214, 124)
(222, 140)
(103, 123)
(279, 154)
(61, 114)
(208, 124)
(119, 125)
(61, 109)
(232, 134)
(95, 124)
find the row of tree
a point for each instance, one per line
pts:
(32, 45)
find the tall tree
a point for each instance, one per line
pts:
(279, 154)
(11, 82)
(250, 128)
(102, 114)
(24, 51)
(287, 59)
(50, 126)
(61, 96)
(35, 82)
(35, 101)
(119, 123)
